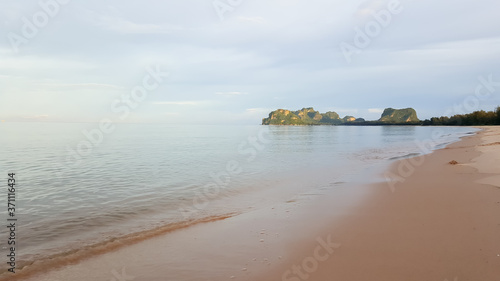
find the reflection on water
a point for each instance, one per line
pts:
(140, 174)
(398, 130)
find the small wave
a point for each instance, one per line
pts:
(442, 145)
(40, 264)
(409, 155)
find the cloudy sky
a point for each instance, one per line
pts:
(233, 61)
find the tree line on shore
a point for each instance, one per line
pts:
(475, 118)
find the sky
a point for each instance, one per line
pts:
(234, 61)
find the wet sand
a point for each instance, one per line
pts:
(441, 223)
(436, 221)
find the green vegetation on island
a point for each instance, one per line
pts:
(309, 116)
(306, 116)
(390, 116)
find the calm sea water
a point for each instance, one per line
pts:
(74, 190)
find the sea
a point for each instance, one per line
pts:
(82, 185)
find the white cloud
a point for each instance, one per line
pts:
(96, 45)
(258, 20)
(258, 110)
(44, 64)
(371, 6)
(80, 86)
(453, 52)
(178, 102)
(6, 51)
(125, 26)
(230, 93)
(375, 110)
(36, 117)
(122, 25)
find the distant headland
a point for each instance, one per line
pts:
(390, 116)
(309, 116)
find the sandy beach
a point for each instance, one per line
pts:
(434, 221)
(441, 223)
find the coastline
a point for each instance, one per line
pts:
(440, 223)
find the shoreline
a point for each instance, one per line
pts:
(374, 237)
(441, 223)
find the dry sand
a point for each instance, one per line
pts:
(441, 223)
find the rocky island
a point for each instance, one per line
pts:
(309, 116)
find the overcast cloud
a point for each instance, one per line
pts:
(264, 55)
